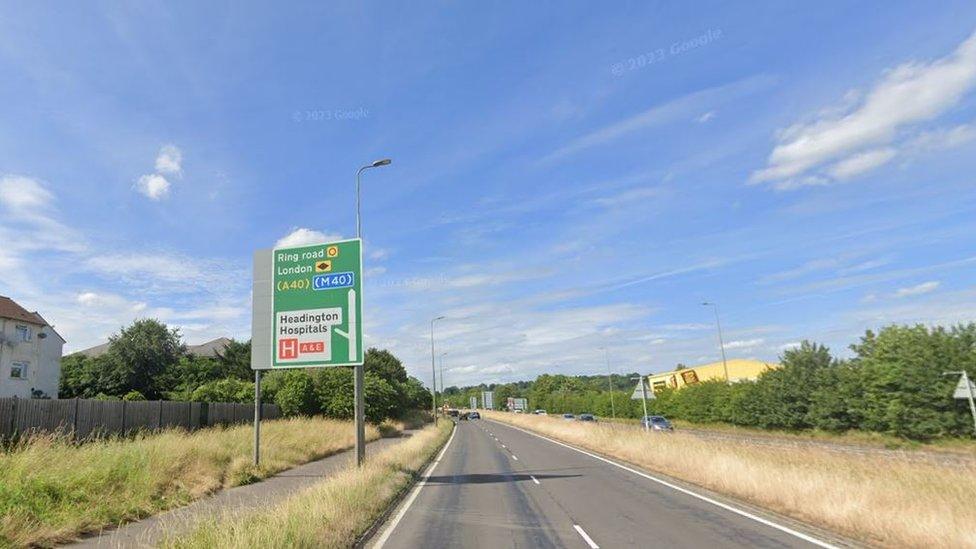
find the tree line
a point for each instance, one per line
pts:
(148, 360)
(891, 384)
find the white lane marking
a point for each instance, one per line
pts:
(515, 457)
(707, 499)
(505, 447)
(535, 480)
(589, 541)
(413, 495)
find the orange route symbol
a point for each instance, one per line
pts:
(332, 251)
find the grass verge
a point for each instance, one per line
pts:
(52, 490)
(332, 513)
(879, 500)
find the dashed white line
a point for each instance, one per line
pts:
(707, 499)
(589, 541)
(535, 480)
(515, 457)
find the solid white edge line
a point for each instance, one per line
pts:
(413, 495)
(589, 541)
(707, 499)
(515, 457)
(535, 480)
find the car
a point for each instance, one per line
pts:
(463, 416)
(656, 423)
(569, 417)
(453, 412)
(587, 417)
(518, 411)
(474, 415)
(540, 413)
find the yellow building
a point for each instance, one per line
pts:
(740, 369)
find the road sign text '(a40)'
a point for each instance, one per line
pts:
(317, 305)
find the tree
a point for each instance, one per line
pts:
(224, 390)
(235, 360)
(296, 394)
(138, 356)
(385, 365)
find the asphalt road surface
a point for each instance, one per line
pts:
(496, 486)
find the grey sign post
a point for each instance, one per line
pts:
(965, 390)
(262, 296)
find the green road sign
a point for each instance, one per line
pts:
(318, 305)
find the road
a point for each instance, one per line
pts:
(497, 486)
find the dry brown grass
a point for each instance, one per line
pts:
(333, 513)
(880, 500)
(52, 490)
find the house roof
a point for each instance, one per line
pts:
(12, 310)
(207, 349)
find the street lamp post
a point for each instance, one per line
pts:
(721, 343)
(359, 406)
(433, 371)
(613, 410)
(441, 357)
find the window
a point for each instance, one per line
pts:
(24, 333)
(18, 370)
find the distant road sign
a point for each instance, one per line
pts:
(962, 391)
(488, 400)
(316, 319)
(473, 402)
(636, 395)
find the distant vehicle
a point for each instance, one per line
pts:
(453, 412)
(587, 417)
(474, 415)
(540, 413)
(463, 416)
(518, 411)
(569, 417)
(656, 423)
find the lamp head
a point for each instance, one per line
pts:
(383, 162)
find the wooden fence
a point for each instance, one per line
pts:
(85, 418)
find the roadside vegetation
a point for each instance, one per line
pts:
(892, 385)
(332, 513)
(876, 499)
(148, 360)
(52, 490)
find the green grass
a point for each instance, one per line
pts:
(332, 513)
(52, 490)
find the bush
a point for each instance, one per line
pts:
(224, 390)
(296, 395)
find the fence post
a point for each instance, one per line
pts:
(159, 415)
(74, 423)
(123, 418)
(13, 418)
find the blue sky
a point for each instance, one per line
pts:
(566, 177)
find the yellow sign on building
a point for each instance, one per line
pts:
(740, 369)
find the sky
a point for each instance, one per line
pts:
(569, 182)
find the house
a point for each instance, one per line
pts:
(30, 353)
(208, 349)
(739, 369)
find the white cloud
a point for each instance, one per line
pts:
(305, 237)
(170, 160)
(23, 195)
(681, 108)
(790, 345)
(918, 289)
(745, 343)
(905, 96)
(705, 117)
(154, 186)
(945, 138)
(860, 163)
